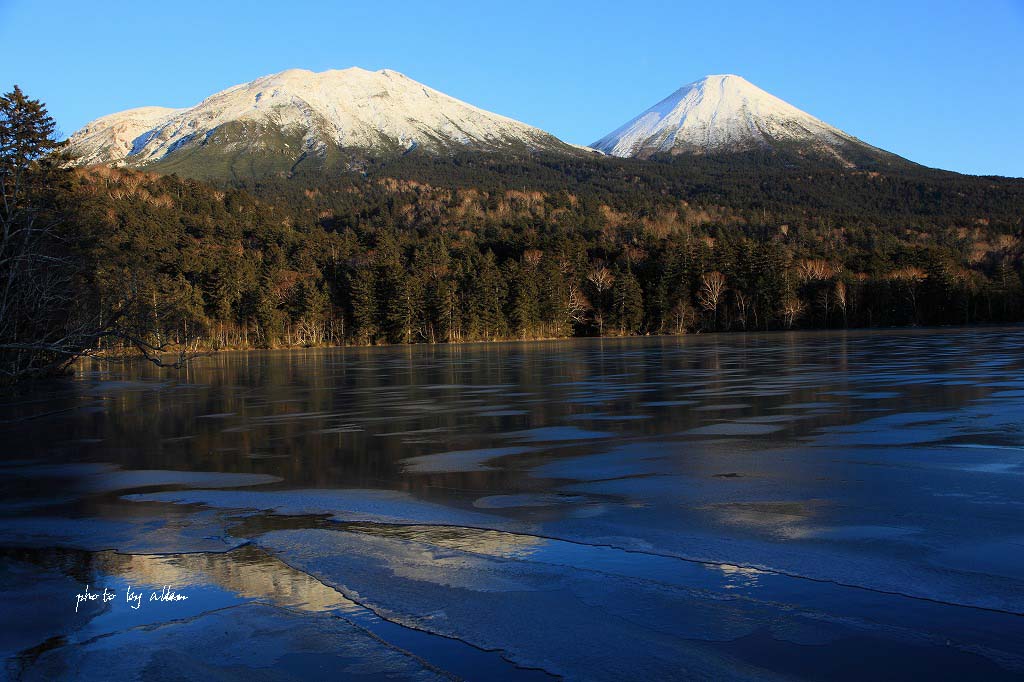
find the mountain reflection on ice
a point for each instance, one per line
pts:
(818, 506)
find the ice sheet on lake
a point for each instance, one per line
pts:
(550, 434)
(250, 641)
(142, 533)
(734, 429)
(528, 500)
(723, 407)
(627, 460)
(589, 620)
(862, 490)
(459, 460)
(595, 608)
(96, 478)
(124, 480)
(344, 505)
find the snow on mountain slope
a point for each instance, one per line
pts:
(112, 138)
(725, 113)
(350, 108)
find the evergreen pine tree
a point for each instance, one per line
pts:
(488, 299)
(524, 292)
(627, 303)
(362, 286)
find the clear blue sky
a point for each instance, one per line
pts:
(941, 83)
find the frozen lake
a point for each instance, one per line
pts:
(819, 506)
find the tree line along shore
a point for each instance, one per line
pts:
(421, 249)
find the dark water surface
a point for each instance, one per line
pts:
(782, 506)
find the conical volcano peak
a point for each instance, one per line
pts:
(728, 113)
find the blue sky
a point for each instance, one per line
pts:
(941, 83)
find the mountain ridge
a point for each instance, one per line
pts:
(349, 109)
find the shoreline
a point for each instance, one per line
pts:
(246, 349)
(441, 344)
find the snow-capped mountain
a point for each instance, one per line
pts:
(302, 114)
(726, 114)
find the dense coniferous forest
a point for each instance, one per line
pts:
(480, 247)
(378, 259)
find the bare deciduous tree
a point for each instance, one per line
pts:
(792, 309)
(712, 288)
(576, 305)
(683, 316)
(601, 278)
(742, 307)
(840, 296)
(911, 278)
(810, 270)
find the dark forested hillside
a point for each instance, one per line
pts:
(786, 187)
(425, 249)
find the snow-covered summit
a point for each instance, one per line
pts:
(723, 113)
(350, 108)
